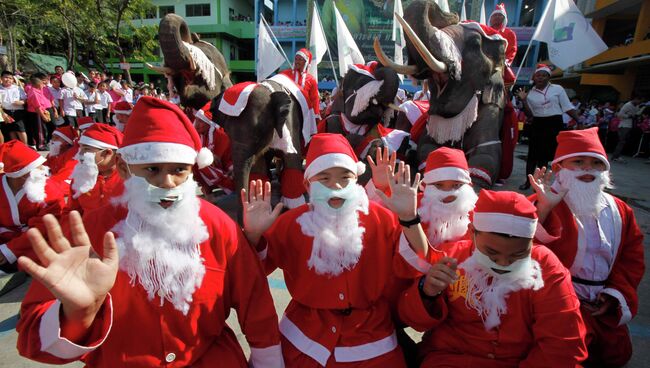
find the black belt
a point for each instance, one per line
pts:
(344, 312)
(578, 280)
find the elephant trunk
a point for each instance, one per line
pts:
(172, 33)
(388, 89)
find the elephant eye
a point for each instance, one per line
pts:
(374, 101)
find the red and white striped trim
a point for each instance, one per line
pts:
(361, 71)
(239, 105)
(480, 173)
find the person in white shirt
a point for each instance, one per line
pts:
(423, 94)
(103, 108)
(70, 104)
(92, 100)
(12, 99)
(628, 112)
(545, 102)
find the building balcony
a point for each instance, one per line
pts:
(635, 49)
(236, 29)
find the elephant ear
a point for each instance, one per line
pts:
(281, 105)
(493, 91)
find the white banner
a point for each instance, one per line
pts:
(269, 57)
(348, 50)
(398, 35)
(317, 43)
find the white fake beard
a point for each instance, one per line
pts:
(446, 221)
(160, 248)
(118, 124)
(338, 238)
(488, 291)
(35, 185)
(84, 177)
(584, 199)
(55, 148)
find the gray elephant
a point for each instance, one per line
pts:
(464, 65)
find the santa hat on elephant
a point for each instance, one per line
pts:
(162, 133)
(499, 9)
(306, 55)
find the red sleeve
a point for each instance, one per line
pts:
(511, 51)
(272, 247)
(314, 97)
(558, 328)
(414, 312)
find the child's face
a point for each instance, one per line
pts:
(102, 88)
(56, 83)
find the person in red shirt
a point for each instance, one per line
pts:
(499, 21)
(307, 83)
(61, 159)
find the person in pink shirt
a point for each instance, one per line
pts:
(39, 112)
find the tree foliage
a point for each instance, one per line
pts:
(80, 30)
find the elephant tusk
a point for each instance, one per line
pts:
(433, 63)
(393, 106)
(159, 69)
(386, 61)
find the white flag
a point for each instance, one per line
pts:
(463, 15)
(398, 35)
(317, 43)
(269, 58)
(568, 35)
(348, 51)
(482, 19)
(443, 4)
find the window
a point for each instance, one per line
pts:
(197, 10)
(150, 13)
(165, 9)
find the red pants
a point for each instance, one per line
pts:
(608, 345)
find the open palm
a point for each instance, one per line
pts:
(379, 173)
(541, 183)
(72, 272)
(404, 194)
(258, 213)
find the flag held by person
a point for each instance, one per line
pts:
(398, 35)
(317, 42)
(269, 58)
(348, 50)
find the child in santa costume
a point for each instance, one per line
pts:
(498, 300)
(596, 237)
(95, 179)
(121, 114)
(170, 267)
(299, 73)
(26, 195)
(61, 158)
(219, 175)
(337, 254)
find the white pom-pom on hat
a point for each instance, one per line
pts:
(204, 158)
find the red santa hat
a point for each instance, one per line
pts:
(205, 115)
(123, 107)
(85, 122)
(305, 54)
(446, 164)
(505, 212)
(501, 9)
(102, 136)
(67, 133)
(19, 159)
(571, 143)
(159, 132)
(543, 68)
(328, 150)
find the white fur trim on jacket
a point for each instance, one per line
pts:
(496, 222)
(31, 166)
(303, 343)
(50, 334)
(293, 202)
(267, 357)
(329, 160)
(158, 152)
(626, 314)
(447, 173)
(411, 257)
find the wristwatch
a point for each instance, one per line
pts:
(424, 295)
(410, 223)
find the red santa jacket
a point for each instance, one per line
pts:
(61, 167)
(342, 318)
(219, 174)
(17, 214)
(308, 86)
(542, 328)
(132, 330)
(105, 188)
(563, 238)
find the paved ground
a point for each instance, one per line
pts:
(632, 183)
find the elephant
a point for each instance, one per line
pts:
(464, 64)
(195, 68)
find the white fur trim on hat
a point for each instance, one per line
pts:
(590, 154)
(329, 160)
(85, 126)
(204, 158)
(86, 140)
(158, 152)
(447, 173)
(302, 55)
(543, 69)
(34, 164)
(123, 112)
(504, 223)
(62, 136)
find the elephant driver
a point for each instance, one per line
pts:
(499, 21)
(307, 83)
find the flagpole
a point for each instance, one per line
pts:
(521, 65)
(320, 23)
(268, 28)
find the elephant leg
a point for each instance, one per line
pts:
(482, 146)
(291, 181)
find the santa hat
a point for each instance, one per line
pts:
(205, 115)
(571, 143)
(67, 133)
(501, 9)
(328, 150)
(305, 54)
(123, 107)
(543, 68)
(85, 122)
(159, 132)
(19, 159)
(102, 136)
(446, 164)
(505, 212)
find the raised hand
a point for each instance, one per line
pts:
(522, 94)
(384, 160)
(404, 194)
(72, 271)
(258, 213)
(440, 276)
(541, 181)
